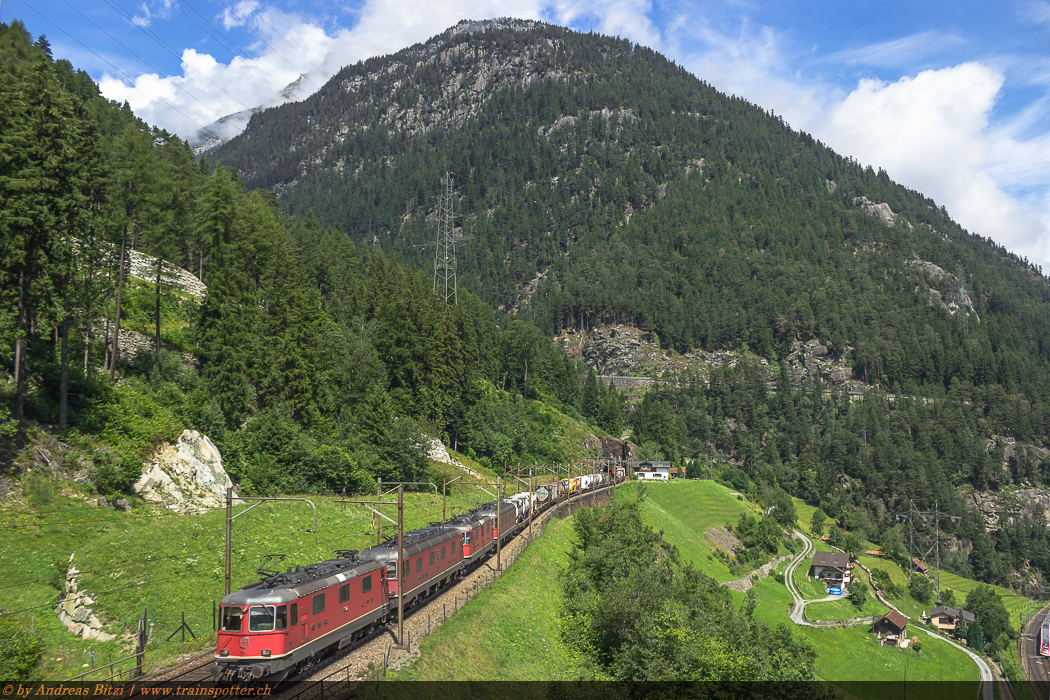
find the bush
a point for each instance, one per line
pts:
(20, 651)
(858, 593)
(921, 589)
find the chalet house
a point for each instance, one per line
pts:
(834, 568)
(947, 619)
(653, 470)
(919, 566)
(891, 629)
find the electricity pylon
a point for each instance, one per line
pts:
(445, 245)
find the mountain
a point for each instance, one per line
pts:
(207, 139)
(601, 187)
(601, 183)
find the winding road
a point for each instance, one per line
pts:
(799, 610)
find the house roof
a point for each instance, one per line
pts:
(836, 560)
(918, 564)
(894, 618)
(953, 613)
(874, 553)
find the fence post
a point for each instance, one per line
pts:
(140, 652)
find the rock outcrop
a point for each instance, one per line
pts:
(186, 476)
(942, 289)
(879, 210)
(74, 609)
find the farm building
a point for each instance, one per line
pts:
(918, 565)
(834, 568)
(891, 629)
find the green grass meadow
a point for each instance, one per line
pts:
(683, 510)
(518, 614)
(166, 563)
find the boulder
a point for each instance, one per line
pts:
(82, 615)
(187, 476)
(122, 504)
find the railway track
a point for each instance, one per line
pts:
(353, 665)
(1036, 667)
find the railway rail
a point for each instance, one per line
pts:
(1036, 667)
(372, 655)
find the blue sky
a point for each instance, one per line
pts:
(952, 99)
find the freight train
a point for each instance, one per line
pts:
(289, 621)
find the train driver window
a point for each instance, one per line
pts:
(391, 569)
(294, 613)
(431, 557)
(231, 618)
(282, 617)
(318, 603)
(453, 545)
(366, 584)
(419, 564)
(260, 618)
(442, 552)
(344, 593)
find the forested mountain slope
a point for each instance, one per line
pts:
(322, 364)
(626, 189)
(600, 183)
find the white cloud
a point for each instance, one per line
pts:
(289, 46)
(147, 13)
(933, 131)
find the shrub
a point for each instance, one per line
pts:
(921, 589)
(858, 593)
(20, 651)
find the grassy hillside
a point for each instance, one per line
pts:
(510, 631)
(165, 562)
(684, 510)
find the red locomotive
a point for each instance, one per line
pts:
(285, 623)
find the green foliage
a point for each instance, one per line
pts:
(975, 637)
(991, 616)
(631, 606)
(20, 651)
(858, 593)
(761, 537)
(816, 523)
(921, 588)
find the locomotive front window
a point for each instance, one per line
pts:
(282, 617)
(231, 618)
(261, 618)
(466, 538)
(391, 569)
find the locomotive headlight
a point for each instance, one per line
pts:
(224, 652)
(265, 652)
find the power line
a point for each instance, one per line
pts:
(161, 99)
(252, 30)
(148, 32)
(294, 47)
(140, 58)
(220, 38)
